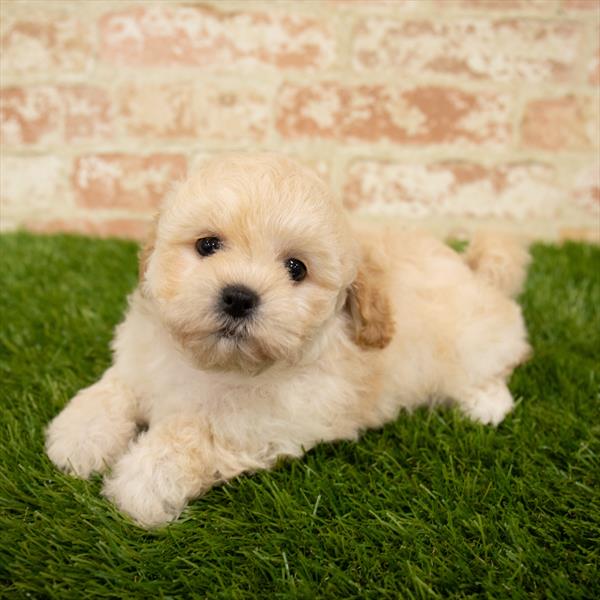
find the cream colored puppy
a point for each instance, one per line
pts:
(264, 324)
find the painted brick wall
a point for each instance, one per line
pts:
(458, 114)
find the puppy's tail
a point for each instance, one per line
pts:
(499, 259)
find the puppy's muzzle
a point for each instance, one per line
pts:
(238, 301)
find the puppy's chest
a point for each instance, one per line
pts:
(300, 407)
(175, 388)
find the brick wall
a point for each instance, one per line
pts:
(459, 114)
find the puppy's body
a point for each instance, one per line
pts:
(392, 322)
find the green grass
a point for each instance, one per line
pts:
(430, 506)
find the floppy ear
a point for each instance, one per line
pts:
(368, 303)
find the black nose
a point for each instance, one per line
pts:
(238, 301)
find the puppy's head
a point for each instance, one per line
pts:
(250, 258)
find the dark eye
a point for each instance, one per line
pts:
(296, 268)
(208, 245)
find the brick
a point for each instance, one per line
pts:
(501, 50)
(30, 185)
(87, 113)
(126, 181)
(232, 113)
(593, 68)
(514, 191)
(161, 110)
(50, 114)
(136, 229)
(406, 6)
(586, 188)
(30, 115)
(566, 123)
(420, 115)
(322, 167)
(372, 6)
(183, 110)
(582, 5)
(52, 43)
(528, 6)
(199, 35)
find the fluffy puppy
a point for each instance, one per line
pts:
(264, 324)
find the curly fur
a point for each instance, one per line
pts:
(386, 319)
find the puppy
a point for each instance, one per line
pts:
(264, 324)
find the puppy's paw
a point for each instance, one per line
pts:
(72, 452)
(86, 437)
(488, 404)
(145, 488)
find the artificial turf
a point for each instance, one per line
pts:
(431, 506)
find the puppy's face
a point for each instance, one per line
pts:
(252, 257)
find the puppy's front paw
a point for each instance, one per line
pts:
(146, 488)
(488, 404)
(90, 433)
(72, 452)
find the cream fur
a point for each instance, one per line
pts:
(386, 319)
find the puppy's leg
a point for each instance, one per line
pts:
(488, 403)
(93, 430)
(175, 460)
